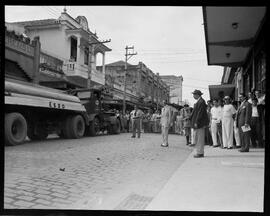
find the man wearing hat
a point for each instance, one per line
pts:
(243, 120)
(227, 123)
(165, 122)
(199, 120)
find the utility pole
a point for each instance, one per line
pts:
(127, 57)
(90, 59)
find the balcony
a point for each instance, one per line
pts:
(72, 68)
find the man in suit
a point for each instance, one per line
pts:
(136, 117)
(256, 124)
(199, 121)
(243, 120)
(165, 122)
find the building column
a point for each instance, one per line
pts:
(103, 63)
(78, 50)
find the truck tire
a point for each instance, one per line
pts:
(116, 128)
(35, 132)
(76, 127)
(94, 127)
(15, 128)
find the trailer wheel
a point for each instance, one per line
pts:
(36, 132)
(77, 127)
(15, 128)
(116, 127)
(94, 127)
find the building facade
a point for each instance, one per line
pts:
(176, 88)
(142, 85)
(71, 41)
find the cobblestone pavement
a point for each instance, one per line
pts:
(105, 172)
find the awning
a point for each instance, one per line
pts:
(230, 32)
(219, 91)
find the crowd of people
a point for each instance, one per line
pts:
(236, 124)
(220, 123)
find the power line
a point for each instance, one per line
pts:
(50, 12)
(55, 9)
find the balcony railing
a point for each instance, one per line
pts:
(51, 63)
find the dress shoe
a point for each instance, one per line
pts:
(164, 145)
(224, 147)
(229, 147)
(238, 147)
(133, 137)
(198, 155)
(191, 145)
(215, 146)
(243, 150)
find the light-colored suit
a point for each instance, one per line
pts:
(136, 118)
(165, 121)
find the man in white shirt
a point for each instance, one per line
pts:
(165, 122)
(216, 114)
(136, 117)
(227, 123)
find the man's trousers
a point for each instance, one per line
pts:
(199, 140)
(164, 133)
(245, 139)
(136, 126)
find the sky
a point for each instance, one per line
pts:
(168, 40)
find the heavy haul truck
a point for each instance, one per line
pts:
(37, 111)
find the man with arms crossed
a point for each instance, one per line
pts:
(199, 120)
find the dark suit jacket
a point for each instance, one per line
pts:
(243, 115)
(260, 109)
(199, 114)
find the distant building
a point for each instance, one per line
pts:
(176, 88)
(69, 40)
(142, 85)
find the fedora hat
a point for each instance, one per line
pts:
(198, 92)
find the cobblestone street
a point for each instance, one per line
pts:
(104, 172)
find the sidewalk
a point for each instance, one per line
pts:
(224, 180)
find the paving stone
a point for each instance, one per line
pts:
(43, 196)
(42, 201)
(59, 195)
(25, 188)
(8, 200)
(23, 203)
(39, 206)
(39, 191)
(64, 201)
(59, 191)
(8, 206)
(8, 194)
(27, 198)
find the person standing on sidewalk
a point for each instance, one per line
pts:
(256, 122)
(216, 116)
(235, 129)
(165, 122)
(261, 106)
(199, 120)
(243, 119)
(186, 123)
(227, 123)
(136, 116)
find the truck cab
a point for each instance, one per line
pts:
(99, 119)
